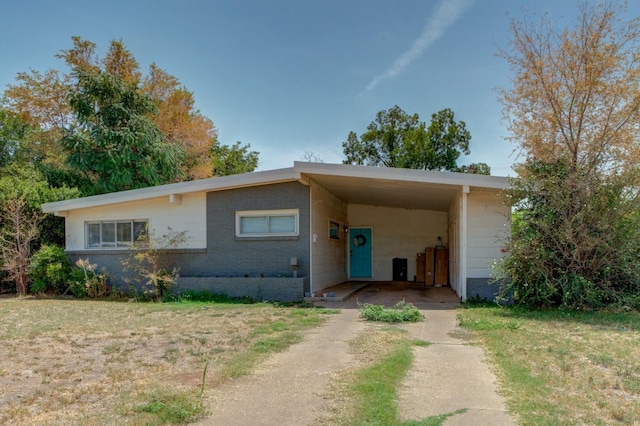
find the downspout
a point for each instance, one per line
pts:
(310, 239)
(463, 244)
(304, 179)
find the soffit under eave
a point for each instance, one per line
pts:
(390, 193)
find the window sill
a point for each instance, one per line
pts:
(127, 251)
(268, 238)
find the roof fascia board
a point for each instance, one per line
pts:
(203, 185)
(388, 173)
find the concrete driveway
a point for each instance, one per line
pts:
(450, 374)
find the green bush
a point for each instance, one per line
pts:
(50, 270)
(401, 312)
(575, 241)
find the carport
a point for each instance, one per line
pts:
(397, 214)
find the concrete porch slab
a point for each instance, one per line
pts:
(387, 293)
(341, 292)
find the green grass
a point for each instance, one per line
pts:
(168, 406)
(401, 312)
(376, 386)
(563, 367)
(372, 391)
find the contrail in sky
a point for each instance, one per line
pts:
(447, 12)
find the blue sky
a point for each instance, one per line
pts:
(290, 76)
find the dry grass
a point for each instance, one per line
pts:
(90, 363)
(564, 367)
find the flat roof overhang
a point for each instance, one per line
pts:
(379, 186)
(401, 188)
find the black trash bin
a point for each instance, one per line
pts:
(399, 269)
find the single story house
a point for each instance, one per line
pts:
(284, 233)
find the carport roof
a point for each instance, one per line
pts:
(414, 189)
(391, 187)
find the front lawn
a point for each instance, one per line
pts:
(563, 367)
(94, 362)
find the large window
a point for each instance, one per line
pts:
(267, 223)
(116, 233)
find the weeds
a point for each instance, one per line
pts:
(205, 297)
(116, 352)
(371, 393)
(167, 406)
(401, 312)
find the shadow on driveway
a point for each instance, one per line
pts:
(352, 295)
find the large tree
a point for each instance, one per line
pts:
(573, 110)
(234, 160)
(12, 131)
(398, 139)
(41, 99)
(177, 117)
(116, 144)
(23, 227)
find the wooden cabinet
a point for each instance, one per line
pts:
(420, 267)
(429, 269)
(441, 267)
(432, 266)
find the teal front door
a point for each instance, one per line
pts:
(360, 252)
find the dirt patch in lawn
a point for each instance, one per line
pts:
(86, 362)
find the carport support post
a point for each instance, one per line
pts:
(463, 244)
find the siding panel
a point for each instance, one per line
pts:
(329, 256)
(399, 233)
(489, 224)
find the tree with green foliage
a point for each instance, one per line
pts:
(474, 168)
(41, 100)
(397, 139)
(116, 145)
(12, 131)
(234, 159)
(23, 227)
(27, 183)
(573, 110)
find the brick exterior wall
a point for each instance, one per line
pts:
(227, 256)
(278, 289)
(231, 256)
(485, 289)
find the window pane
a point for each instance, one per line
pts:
(108, 234)
(124, 233)
(253, 225)
(140, 230)
(93, 235)
(334, 230)
(282, 224)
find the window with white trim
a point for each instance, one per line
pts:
(114, 233)
(334, 230)
(267, 223)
